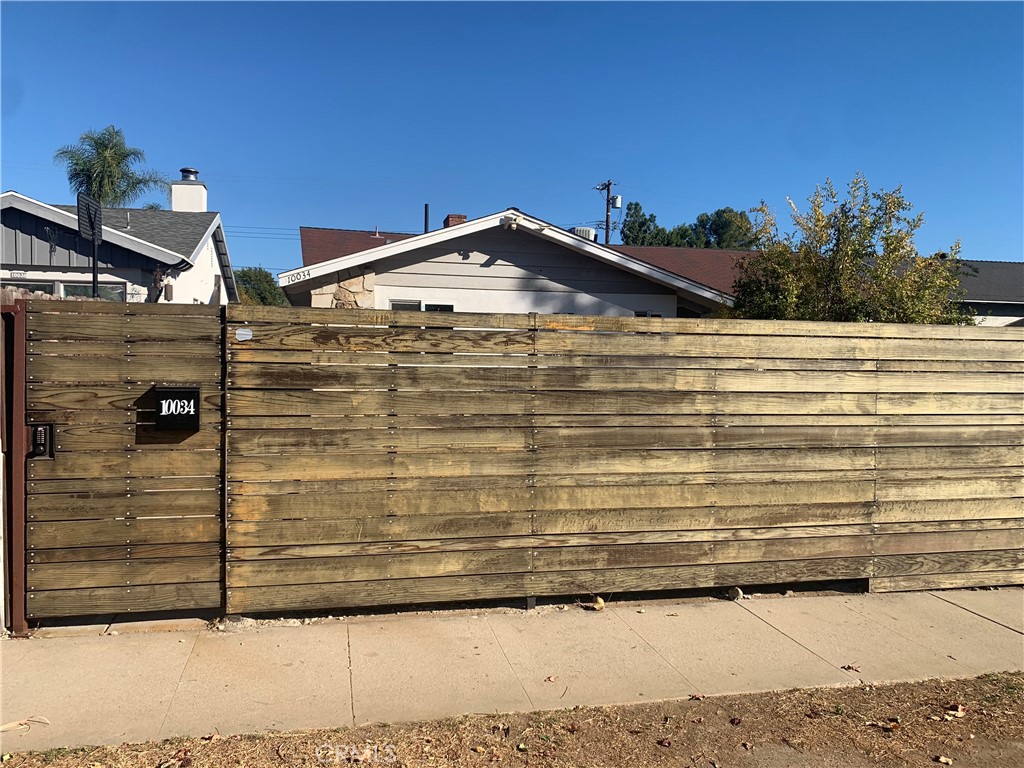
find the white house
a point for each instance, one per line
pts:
(178, 256)
(505, 262)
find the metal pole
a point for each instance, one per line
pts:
(426, 218)
(95, 268)
(607, 211)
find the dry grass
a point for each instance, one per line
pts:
(978, 722)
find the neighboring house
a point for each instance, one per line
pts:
(995, 291)
(506, 262)
(178, 256)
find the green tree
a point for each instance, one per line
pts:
(850, 259)
(101, 164)
(641, 229)
(256, 286)
(724, 228)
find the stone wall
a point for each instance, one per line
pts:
(352, 290)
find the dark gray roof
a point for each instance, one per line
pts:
(177, 231)
(994, 281)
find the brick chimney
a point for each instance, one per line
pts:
(453, 219)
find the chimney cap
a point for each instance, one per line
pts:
(189, 174)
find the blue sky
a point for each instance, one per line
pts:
(354, 115)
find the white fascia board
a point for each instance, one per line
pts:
(70, 220)
(302, 274)
(510, 218)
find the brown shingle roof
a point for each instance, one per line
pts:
(320, 245)
(715, 268)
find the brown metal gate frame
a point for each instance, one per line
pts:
(15, 437)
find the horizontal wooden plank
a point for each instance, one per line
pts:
(949, 541)
(350, 339)
(242, 354)
(961, 488)
(959, 509)
(113, 573)
(527, 420)
(104, 437)
(940, 457)
(554, 322)
(104, 506)
(203, 549)
(770, 346)
(91, 369)
(283, 376)
(947, 581)
(350, 403)
(539, 541)
(126, 484)
(122, 327)
(920, 564)
(565, 522)
(295, 532)
(103, 600)
(368, 567)
(238, 314)
(131, 309)
(966, 403)
(566, 463)
(126, 463)
(127, 397)
(207, 350)
(101, 533)
(144, 419)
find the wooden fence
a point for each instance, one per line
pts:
(394, 458)
(123, 518)
(364, 458)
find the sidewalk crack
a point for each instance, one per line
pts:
(979, 615)
(793, 639)
(687, 680)
(526, 693)
(177, 684)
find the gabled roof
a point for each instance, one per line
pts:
(994, 281)
(178, 231)
(175, 238)
(320, 245)
(511, 218)
(713, 267)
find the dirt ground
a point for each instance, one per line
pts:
(977, 722)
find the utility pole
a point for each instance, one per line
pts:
(610, 201)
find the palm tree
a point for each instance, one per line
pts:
(101, 165)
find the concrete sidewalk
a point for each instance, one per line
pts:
(153, 685)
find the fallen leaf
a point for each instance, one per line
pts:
(641, 611)
(479, 749)
(664, 742)
(696, 696)
(522, 747)
(943, 759)
(851, 667)
(747, 745)
(735, 721)
(671, 614)
(27, 724)
(957, 710)
(550, 678)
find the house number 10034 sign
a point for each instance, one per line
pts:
(177, 408)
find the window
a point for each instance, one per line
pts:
(108, 291)
(406, 306)
(418, 306)
(31, 286)
(645, 313)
